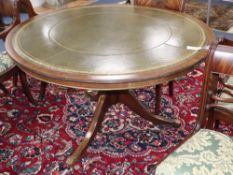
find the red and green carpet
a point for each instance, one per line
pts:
(38, 139)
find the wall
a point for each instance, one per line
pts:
(37, 3)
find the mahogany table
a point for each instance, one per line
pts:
(110, 49)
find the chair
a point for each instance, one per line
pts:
(206, 151)
(222, 96)
(177, 5)
(7, 65)
(9, 18)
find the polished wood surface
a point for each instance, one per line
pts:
(213, 105)
(104, 102)
(220, 108)
(109, 47)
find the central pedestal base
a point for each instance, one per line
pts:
(105, 100)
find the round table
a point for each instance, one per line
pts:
(110, 49)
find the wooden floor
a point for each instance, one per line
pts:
(45, 8)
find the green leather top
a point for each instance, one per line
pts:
(109, 39)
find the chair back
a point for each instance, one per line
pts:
(219, 68)
(10, 14)
(24, 5)
(6, 8)
(226, 41)
(8, 17)
(177, 5)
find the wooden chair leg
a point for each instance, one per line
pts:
(216, 124)
(15, 77)
(211, 119)
(25, 86)
(43, 86)
(3, 88)
(158, 92)
(170, 84)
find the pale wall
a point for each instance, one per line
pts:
(37, 3)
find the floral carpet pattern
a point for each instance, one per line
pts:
(38, 139)
(221, 13)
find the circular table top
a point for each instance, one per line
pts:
(109, 47)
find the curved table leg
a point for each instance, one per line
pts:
(43, 86)
(106, 99)
(126, 98)
(158, 92)
(15, 76)
(26, 88)
(170, 87)
(103, 104)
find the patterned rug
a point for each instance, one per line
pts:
(38, 139)
(221, 15)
